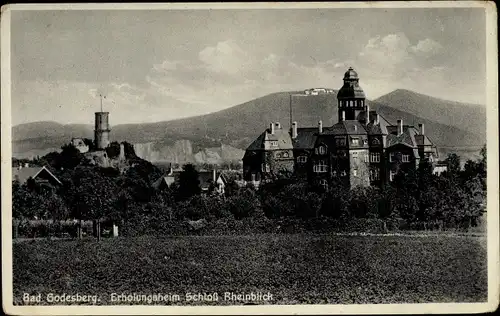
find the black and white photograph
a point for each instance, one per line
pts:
(239, 158)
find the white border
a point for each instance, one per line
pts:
(492, 179)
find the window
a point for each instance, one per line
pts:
(406, 158)
(265, 167)
(351, 104)
(321, 150)
(340, 141)
(375, 157)
(391, 157)
(365, 141)
(324, 184)
(342, 154)
(302, 159)
(375, 141)
(334, 173)
(355, 172)
(285, 154)
(367, 159)
(355, 141)
(343, 173)
(391, 175)
(274, 143)
(374, 174)
(278, 155)
(355, 154)
(320, 167)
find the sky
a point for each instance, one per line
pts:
(161, 65)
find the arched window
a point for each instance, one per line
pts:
(285, 155)
(375, 141)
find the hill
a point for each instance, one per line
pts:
(239, 125)
(469, 117)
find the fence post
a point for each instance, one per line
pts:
(115, 230)
(79, 229)
(16, 229)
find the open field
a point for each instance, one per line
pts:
(296, 269)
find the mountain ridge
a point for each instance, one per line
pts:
(239, 125)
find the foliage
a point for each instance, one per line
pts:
(189, 183)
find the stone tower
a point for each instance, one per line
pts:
(101, 131)
(351, 97)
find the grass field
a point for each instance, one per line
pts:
(296, 269)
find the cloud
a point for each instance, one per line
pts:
(225, 74)
(426, 47)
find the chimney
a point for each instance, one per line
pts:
(214, 175)
(320, 126)
(400, 127)
(272, 128)
(278, 125)
(367, 118)
(342, 117)
(294, 130)
(421, 128)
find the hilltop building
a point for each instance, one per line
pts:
(361, 149)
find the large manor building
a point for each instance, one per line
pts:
(362, 149)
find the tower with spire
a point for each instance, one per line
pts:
(351, 97)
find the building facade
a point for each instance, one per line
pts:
(361, 149)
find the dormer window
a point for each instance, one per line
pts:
(355, 141)
(406, 158)
(274, 143)
(285, 155)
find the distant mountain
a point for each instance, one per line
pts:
(468, 117)
(237, 127)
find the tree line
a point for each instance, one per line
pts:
(421, 199)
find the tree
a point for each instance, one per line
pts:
(189, 182)
(68, 158)
(453, 165)
(92, 195)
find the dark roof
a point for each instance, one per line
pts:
(423, 140)
(351, 90)
(280, 135)
(258, 143)
(306, 138)
(351, 74)
(407, 138)
(349, 127)
(23, 174)
(351, 87)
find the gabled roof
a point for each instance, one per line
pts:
(306, 138)
(407, 138)
(349, 127)
(280, 135)
(23, 174)
(258, 143)
(168, 180)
